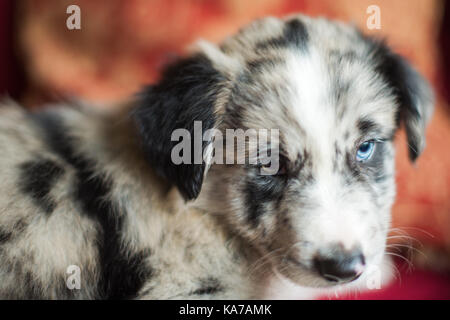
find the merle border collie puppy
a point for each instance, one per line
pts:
(92, 205)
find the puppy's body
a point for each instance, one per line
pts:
(101, 192)
(92, 201)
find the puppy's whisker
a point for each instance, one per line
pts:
(410, 265)
(262, 261)
(403, 237)
(409, 249)
(298, 243)
(397, 274)
(419, 230)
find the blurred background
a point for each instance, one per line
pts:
(123, 45)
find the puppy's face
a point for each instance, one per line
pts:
(336, 99)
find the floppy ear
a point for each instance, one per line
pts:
(186, 93)
(413, 94)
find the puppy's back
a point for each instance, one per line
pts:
(40, 236)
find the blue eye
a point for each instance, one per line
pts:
(365, 151)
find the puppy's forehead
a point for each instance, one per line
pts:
(312, 79)
(331, 96)
(268, 37)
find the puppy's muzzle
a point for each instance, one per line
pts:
(340, 265)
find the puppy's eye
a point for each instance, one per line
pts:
(269, 170)
(365, 151)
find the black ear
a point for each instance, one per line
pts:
(186, 93)
(413, 94)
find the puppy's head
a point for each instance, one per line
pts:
(336, 98)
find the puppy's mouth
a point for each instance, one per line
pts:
(327, 277)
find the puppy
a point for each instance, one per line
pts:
(93, 205)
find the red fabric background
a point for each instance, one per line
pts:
(108, 63)
(5, 44)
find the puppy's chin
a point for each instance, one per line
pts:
(295, 281)
(303, 276)
(296, 284)
(304, 284)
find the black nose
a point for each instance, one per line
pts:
(339, 265)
